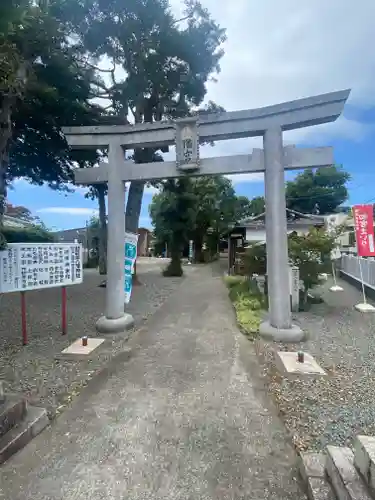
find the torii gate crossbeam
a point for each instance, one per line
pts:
(269, 122)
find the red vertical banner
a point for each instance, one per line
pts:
(364, 230)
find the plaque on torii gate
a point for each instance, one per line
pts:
(269, 122)
(187, 144)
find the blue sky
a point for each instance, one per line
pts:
(304, 51)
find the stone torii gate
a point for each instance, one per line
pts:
(269, 122)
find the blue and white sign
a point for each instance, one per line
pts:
(191, 251)
(130, 255)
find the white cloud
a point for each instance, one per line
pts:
(20, 183)
(79, 189)
(241, 178)
(68, 211)
(279, 51)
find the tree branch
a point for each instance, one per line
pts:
(182, 19)
(93, 66)
(100, 95)
(114, 83)
(104, 88)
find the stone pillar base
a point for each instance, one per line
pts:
(269, 332)
(364, 307)
(118, 325)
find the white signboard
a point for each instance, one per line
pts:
(31, 266)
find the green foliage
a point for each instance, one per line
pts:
(257, 206)
(19, 212)
(248, 304)
(233, 281)
(243, 208)
(324, 187)
(207, 206)
(215, 208)
(311, 254)
(172, 211)
(255, 260)
(33, 234)
(53, 92)
(166, 63)
(93, 226)
(163, 64)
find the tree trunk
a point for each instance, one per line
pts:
(134, 206)
(174, 267)
(5, 135)
(102, 230)
(8, 101)
(143, 113)
(3, 195)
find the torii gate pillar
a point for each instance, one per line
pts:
(280, 324)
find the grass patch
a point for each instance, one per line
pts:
(248, 303)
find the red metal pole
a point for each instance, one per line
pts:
(23, 318)
(63, 311)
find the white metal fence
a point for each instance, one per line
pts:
(350, 266)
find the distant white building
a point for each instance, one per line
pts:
(16, 223)
(255, 228)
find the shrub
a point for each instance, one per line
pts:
(248, 303)
(311, 254)
(255, 260)
(32, 234)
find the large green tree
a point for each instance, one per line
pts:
(323, 190)
(172, 213)
(257, 206)
(207, 206)
(216, 207)
(159, 65)
(43, 86)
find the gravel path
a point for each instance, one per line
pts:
(332, 409)
(33, 370)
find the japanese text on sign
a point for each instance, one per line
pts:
(30, 266)
(364, 230)
(130, 255)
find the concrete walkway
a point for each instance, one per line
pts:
(185, 418)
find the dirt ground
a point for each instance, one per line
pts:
(37, 370)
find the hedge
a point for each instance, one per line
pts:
(33, 234)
